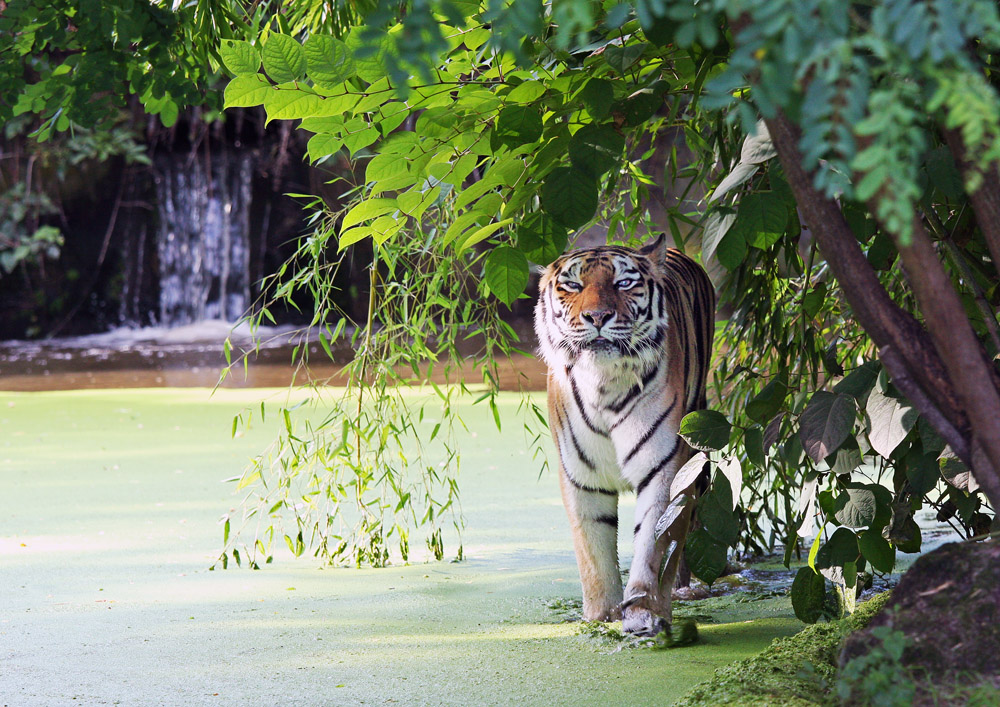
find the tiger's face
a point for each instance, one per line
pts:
(604, 303)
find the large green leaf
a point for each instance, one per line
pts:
(766, 404)
(877, 550)
(597, 96)
(922, 471)
(540, 238)
(328, 60)
(889, 421)
(284, 58)
(705, 555)
(569, 196)
(825, 423)
(706, 429)
(808, 595)
(761, 218)
(246, 91)
(287, 103)
(517, 125)
(841, 548)
(506, 273)
(240, 57)
(856, 507)
(716, 515)
(596, 148)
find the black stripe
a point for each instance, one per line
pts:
(588, 489)
(657, 469)
(638, 527)
(587, 461)
(647, 377)
(649, 433)
(580, 406)
(608, 520)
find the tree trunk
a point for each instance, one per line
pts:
(909, 354)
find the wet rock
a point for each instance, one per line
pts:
(948, 607)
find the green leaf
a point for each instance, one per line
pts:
(517, 125)
(761, 218)
(569, 196)
(766, 404)
(598, 95)
(246, 91)
(855, 508)
(641, 106)
(323, 145)
(284, 58)
(291, 103)
(753, 443)
(877, 551)
(506, 272)
(241, 58)
(367, 209)
(808, 595)
(825, 423)
(858, 383)
(705, 555)
(732, 249)
(596, 148)
(526, 92)
(922, 472)
(328, 61)
(841, 548)
(715, 513)
(705, 429)
(688, 474)
(889, 421)
(540, 238)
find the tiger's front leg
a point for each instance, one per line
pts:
(654, 461)
(593, 519)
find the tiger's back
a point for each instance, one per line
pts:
(627, 338)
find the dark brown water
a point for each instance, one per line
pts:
(193, 357)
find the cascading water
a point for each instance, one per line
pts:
(202, 240)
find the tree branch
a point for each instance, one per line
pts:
(986, 199)
(969, 369)
(886, 323)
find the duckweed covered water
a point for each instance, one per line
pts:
(111, 503)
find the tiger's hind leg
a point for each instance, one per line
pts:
(593, 519)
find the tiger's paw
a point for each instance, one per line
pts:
(640, 618)
(606, 614)
(642, 622)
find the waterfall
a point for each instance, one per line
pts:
(202, 239)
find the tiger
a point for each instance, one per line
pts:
(626, 335)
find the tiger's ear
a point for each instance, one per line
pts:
(656, 249)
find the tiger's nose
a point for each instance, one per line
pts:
(597, 317)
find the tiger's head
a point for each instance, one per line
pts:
(605, 304)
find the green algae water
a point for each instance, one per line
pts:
(111, 503)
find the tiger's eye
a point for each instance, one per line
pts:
(626, 284)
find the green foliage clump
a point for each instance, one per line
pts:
(798, 670)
